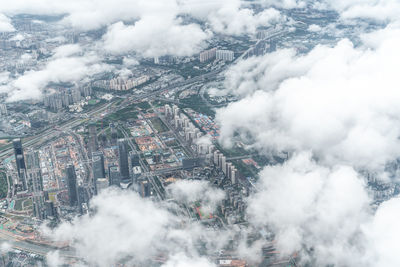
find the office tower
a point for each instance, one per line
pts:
(144, 188)
(123, 161)
(72, 185)
(136, 173)
(101, 184)
(113, 175)
(98, 165)
(38, 210)
(49, 208)
(134, 159)
(225, 55)
(98, 168)
(114, 134)
(19, 155)
(83, 199)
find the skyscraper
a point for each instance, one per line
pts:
(98, 165)
(72, 186)
(134, 159)
(123, 161)
(101, 184)
(19, 155)
(113, 175)
(145, 189)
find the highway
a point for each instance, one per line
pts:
(94, 114)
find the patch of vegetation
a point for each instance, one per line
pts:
(3, 184)
(144, 105)
(159, 125)
(196, 103)
(122, 115)
(18, 204)
(231, 152)
(245, 170)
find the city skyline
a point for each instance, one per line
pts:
(188, 133)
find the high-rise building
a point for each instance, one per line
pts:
(19, 155)
(114, 134)
(101, 184)
(234, 175)
(98, 165)
(145, 190)
(38, 210)
(114, 175)
(123, 161)
(207, 55)
(98, 168)
(72, 185)
(49, 208)
(225, 55)
(136, 173)
(3, 109)
(134, 159)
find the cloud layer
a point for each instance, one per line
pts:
(126, 227)
(340, 102)
(68, 64)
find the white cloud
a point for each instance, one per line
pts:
(383, 234)
(128, 62)
(381, 10)
(91, 14)
(340, 102)
(5, 24)
(230, 17)
(309, 206)
(62, 67)
(181, 260)
(190, 191)
(136, 230)
(67, 51)
(288, 4)
(53, 259)
(314, 28)
(157, 28)
(154, 36)
(5, 247)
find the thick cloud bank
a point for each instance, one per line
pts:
(5, 24)
(324, 213)
(126, 227)
(68, 64)
(340, 102)
(309, 206)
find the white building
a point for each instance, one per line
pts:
(208, 55)
(225, 55)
